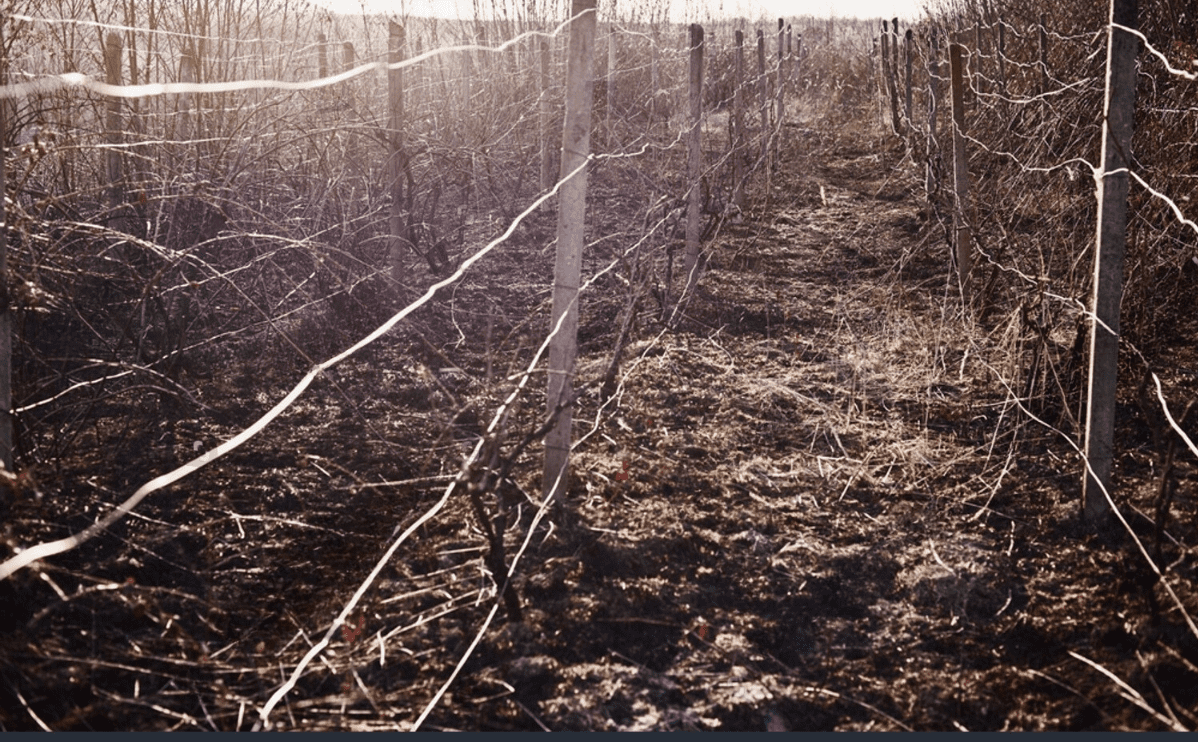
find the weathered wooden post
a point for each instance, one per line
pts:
(791, 60)
(189, 71)
(739, 123)
(977, 64)
(414, 83)
(880, 87)
(1000, 66)
(547, 173)
(889, 80)
(610, 84)
(778, 92)
(935, 91)
(1113, 193)
(908, 80)
(6, 414)
(347, 55)
(398, 237)
(572, 202)
(962, 227)
(691, 254)
(1042, 52)
(113, 160)
(322, 58)
(896, 50)
(764, 105)
(654, 84)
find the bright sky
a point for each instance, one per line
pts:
(752, 9)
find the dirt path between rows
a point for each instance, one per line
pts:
(822, 528)
(809, 509)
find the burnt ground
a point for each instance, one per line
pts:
(813, 506)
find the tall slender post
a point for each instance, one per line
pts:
(189, 71)
(977, 63)
(1113, 193)
(691, 255)
(779, 92)
(762, 96)
(889, 80)
(896, 50)
(113, 134)
(609, 84)
(547, 173)
(396, 165)
(935, 91)
(1042, 53)
(654, 84)
(880, 87)
(908, 80)
(962, 228)
(791, 60)
(6, 415)
(1000, 66)
(572, 203)
(322, 56)
(739, 123)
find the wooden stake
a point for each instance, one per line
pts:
(691, 255)
(908, 80)
(935, 91)
(396, 165)
(763, 104)
(113, 132)
(1000, 66)
(654, 84)
(544, 118)
(1113, 193)
(1042, 51)
(889, 80)
(6, 415)
(572, 203)
(962, 228)
(779, 93)
(189, 71)
(609, 85)
(739, 123)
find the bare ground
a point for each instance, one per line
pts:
(813, 507)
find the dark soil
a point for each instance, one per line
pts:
(813, 506)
